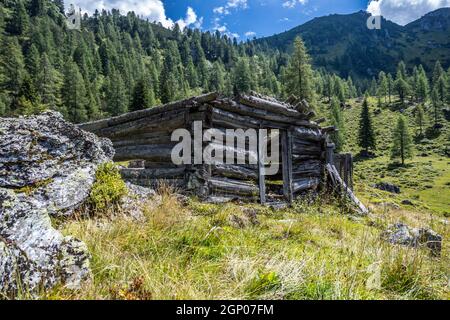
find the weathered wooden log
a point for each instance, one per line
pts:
(299, 158)
(157, 183)
(311, 165)
(229, 186)
(141, 174)
(156, 153)
(218, 198)
(132, 116)
(241, 109)
(337, 182)
(311, 115)
(232, 120)
(129, 141)
(291, 100)
(250, 157)
(308, 134)
(320, 120)
(330, 129)
(306, 149)
(235, 172)
(160, 122)
(268, 106)
(305, 184)
(160, 165)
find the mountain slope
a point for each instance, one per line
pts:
(344, 44)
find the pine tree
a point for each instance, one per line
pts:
(116, 97)
(298, 80)
(401, 71)
(390, 87)
(12, 67)
(337, 120)
(402, 88)
(437, 72)
(339, 91)
(74, 96)
(142, 97)
(329, 87)
(242, 78)
(441, 88)
(19, 22)
(37, 7)
(420, 119)
(49, 83)
(366, 137)
(402, 142)
(383, 86)
(422, 85)
(191, 74)
(435, 100)
(216, 81)
(60, 5)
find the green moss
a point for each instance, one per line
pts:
(32, 188)
(108, 189)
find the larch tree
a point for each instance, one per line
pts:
(420, 119)
(366, 137)
(337, 120)
(402, 142)
(299, 77)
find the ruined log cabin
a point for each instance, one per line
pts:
(146, 138)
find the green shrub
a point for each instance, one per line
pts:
(108, 189)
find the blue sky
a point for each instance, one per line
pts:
(248, 18)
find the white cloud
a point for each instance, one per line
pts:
(230, 5)
(293, 3)
(404, 11)
(250, 34)
(149, 9)
(190, 19)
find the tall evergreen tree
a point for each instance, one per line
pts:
(402, 88)
(242, 77)
(422, 85)
(390, 87)
(337, 120)
(437, 72)
(12, 67)
(402, 142)
(116, 97)
(298, 80)
(143, 96)
(19, 21)
(74, 98)
(420, 119)
(436, 102)
(383, 86)
(37, 7)
(366, 136)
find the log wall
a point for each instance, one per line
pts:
(146, 136)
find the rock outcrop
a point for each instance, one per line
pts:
(389, 187)
(47, 168)
(402, 234)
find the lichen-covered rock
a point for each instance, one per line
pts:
(389, 187)
(47, 168)
(402, 234)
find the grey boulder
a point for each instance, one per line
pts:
(402, 234)
(47, 168)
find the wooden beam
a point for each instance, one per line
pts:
(261, 172)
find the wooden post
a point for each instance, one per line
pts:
(286, 142)
(261, 171)
(330, 153)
